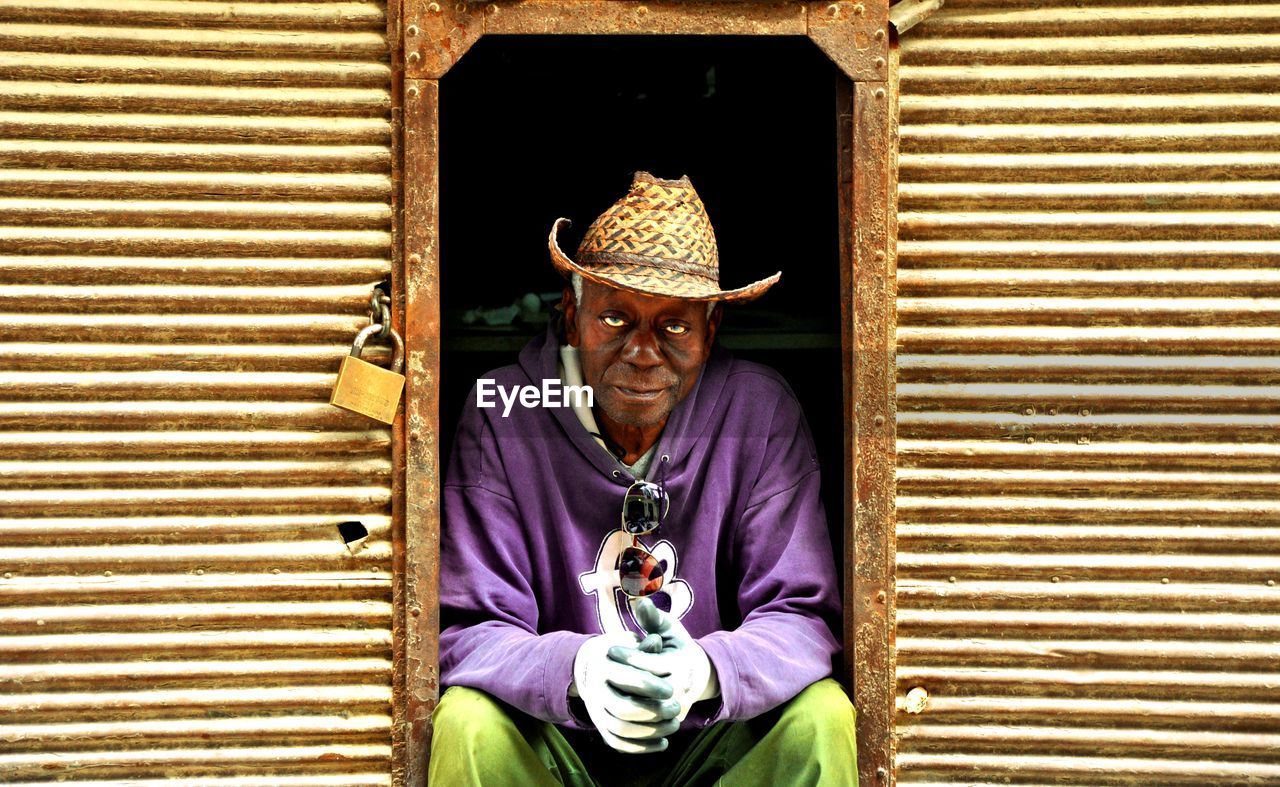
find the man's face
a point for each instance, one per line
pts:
(640, 354)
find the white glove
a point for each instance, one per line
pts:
(631, 707)
(681, 660)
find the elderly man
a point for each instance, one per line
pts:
(640, 590)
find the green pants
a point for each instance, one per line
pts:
(477, 740)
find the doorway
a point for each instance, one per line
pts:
(533, 128)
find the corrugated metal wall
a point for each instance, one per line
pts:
(194, 204)
(1089, 417)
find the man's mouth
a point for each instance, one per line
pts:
(642, 394)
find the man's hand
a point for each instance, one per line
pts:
(631, 707)
(679, 659)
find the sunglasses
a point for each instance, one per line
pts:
(640, 573)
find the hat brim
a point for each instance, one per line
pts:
(648, 280)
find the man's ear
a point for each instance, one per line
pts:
(713, 322)
(570, 310)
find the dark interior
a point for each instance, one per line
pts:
(534, 128)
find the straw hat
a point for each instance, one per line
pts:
(656, 240)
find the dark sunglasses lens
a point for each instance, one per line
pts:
(640, 572)
(642, 508)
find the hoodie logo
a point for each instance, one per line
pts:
(676, 595)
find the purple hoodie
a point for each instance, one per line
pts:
(531, 517)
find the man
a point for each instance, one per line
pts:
(641, 591)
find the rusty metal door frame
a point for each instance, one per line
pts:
(427, 38)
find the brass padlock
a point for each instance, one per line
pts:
(364, 388)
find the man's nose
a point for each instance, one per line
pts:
(641, 349)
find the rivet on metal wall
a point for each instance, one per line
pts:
(1164, 580)
(460, 8)
(1270, 582)
(8, 575)
(413, 57)
(642, 10)
(879, 419)
(416, 611)
(833, 10)
(1028, 411)
(880, 93)
(879, 35)
(106, 573)
(951, 579)
(412, 91)
(1083, 441)
(1031, 439)
(433, 8)
(879, 255)
(859, 9)
(881, 597)
(411, 30)
(880, 62)
(1084, 411)
(1055, 580)
(200, 571)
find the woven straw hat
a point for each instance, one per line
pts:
(656, 240)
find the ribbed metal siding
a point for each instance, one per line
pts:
(1089, 409)
(194, 204)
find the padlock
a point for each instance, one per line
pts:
(364, 388)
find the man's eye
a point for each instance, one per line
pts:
(677, 329)
(613, 321)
